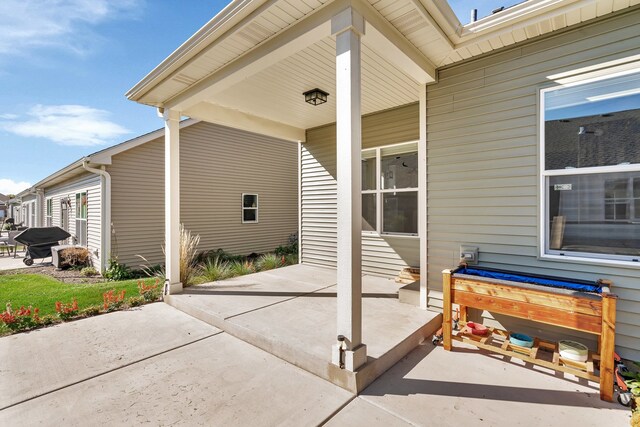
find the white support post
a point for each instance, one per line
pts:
(348, 27)
(172, 200)
(422, 195)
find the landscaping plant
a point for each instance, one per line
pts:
(116, 271)
(215, 269)
(67, 311)
(113, 301)
(240, 268)
(74, 257)
(149, 293)
(23, 319)
(188, 256)
(270, 261)
(88, 272)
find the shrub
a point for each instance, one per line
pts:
(92, 310)
(240, 268)
(112, 300)
(67, 311)
(270, 261)
(116, 271)
(23, 319)
(149, 293)
(188, 256)
(290, 248)
(74, 257)
(215, 269)
(88, 272)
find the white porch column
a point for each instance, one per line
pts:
(348, 26)
(172, 200)
(422, 194)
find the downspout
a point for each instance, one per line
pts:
(105, 206)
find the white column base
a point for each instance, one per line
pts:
(352, 359)
(172, 288)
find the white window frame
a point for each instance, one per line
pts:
(256, 208)
(379, 192)
(48, 212)
(86, 222)
(544, 231)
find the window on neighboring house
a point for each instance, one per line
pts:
(81, 218)
(591, 168)
(249, 208)
(49, 213)
(390, 189)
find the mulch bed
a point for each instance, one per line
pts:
(65, 276)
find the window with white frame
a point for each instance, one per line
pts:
(390, 189)
(81, 218)
(249, 208)
(591, 168)
(49, 213)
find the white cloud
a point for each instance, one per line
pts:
(9, 186)
(67, 125)
(27, 24)
(9, 116)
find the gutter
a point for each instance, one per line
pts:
(105, 214)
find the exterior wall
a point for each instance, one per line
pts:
(68, 189)
(483, 164)
(381, 255)
(28, 210)
(218, 164)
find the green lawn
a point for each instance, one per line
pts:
(43, 291)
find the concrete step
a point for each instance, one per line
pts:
(410, 294)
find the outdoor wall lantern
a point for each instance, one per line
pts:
(315, 96)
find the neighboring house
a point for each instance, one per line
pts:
(479, 134)
(223, 168)
(4, 206)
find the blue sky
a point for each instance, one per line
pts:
(66, 64)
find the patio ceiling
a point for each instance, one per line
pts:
(249, 65)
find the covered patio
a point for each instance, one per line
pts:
(290, 312)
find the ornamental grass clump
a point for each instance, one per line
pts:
(188, 256)
(240, 268)
(270, 261)
(215, 269)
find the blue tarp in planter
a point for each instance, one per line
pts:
(523, 278)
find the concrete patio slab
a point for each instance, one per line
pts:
(296, 321)
(362, 413)
(217, 381)
(257, 290)
(471, 387)
(47, 359)
(8, 262)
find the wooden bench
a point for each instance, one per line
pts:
(594, 313)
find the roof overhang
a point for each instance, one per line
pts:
(255, 55)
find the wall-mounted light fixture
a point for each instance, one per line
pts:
(315, 96)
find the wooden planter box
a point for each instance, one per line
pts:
(587, 312)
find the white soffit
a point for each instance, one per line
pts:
(276, 92)
(428, 28)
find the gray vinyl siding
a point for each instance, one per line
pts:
(381, 255)
(218, 164)
(85, 182)
(483, 164)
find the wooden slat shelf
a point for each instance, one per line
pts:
(594, 314)
(532, 355)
